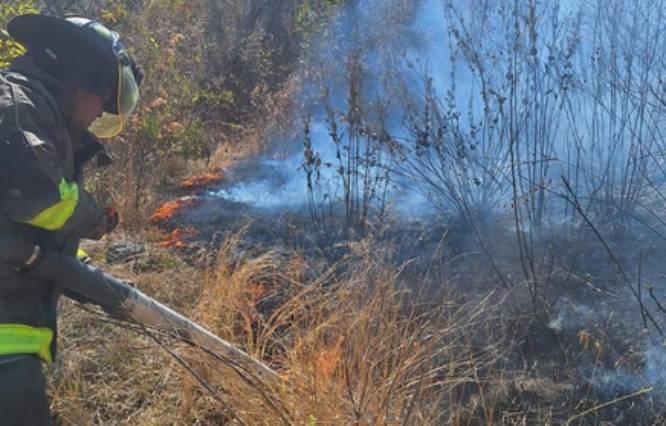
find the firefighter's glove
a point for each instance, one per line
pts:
(83, 257)
(107, 224)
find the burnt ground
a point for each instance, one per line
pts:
(577, 337)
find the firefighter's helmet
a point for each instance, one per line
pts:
(87, 54)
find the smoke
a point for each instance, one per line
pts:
(376, 32)
(618, 382)
(591, 132)
(655, 366)
(575, 106)
(578, 318)
(613, 383)
(572, 315)
(275, 181)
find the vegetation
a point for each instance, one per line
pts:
(9, 48)
(526, 290)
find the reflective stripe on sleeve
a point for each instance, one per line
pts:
(55, 217)
(23, 339)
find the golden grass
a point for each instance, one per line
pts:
(351, 345)
(106, 374)
(357, 341)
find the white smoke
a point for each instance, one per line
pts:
(285, 186)
(572, 317)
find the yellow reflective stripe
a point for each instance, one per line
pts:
(81, 253)
(57, 215)
(23, 339)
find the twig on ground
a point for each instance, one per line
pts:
(609, 403)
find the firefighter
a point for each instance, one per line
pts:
(75, 84)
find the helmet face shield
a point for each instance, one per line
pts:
(124, 97)
(124, 100)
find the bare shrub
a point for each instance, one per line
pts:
(361, 163)
(538, 94)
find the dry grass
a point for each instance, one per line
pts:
(106, 374)
(350, 343)
(356, 341)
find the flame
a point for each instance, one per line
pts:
(177, 237)
(201, 180)
(169, 209)
(328, 360)
(257, 291)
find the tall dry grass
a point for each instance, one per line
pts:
(353, 344)
(357, 341)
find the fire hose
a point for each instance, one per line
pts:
(121, 300)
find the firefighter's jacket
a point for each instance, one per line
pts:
(41, 196)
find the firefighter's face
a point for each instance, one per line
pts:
(87, 107)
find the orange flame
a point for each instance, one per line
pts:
(257, 291)
(201, 180)
(177, 237)
(169, 209)
(328, 360)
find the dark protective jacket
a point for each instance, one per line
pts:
(41, 196)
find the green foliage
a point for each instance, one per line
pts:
(204, 97)
(311, 16)
(169, 137)
(9, 49)
(114, 12)
(173, 91)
